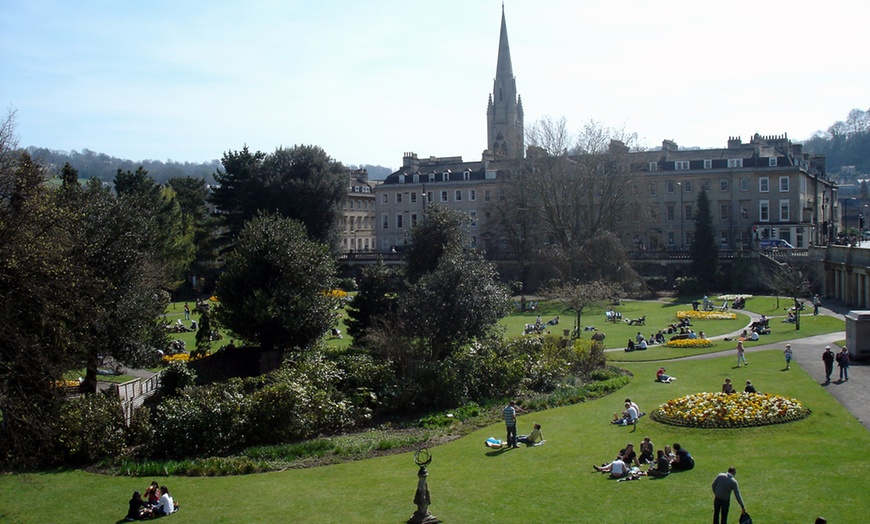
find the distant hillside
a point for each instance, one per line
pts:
(846, 146)
(90, 164)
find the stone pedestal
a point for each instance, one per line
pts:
(858, 334)
(422, 500)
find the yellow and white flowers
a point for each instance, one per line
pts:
(706, 315)
(721, 410)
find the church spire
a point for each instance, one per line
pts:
(504, 112)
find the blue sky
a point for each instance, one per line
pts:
(370, 80)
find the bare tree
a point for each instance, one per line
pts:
(571, 193)
(790, 281)
(577, 296)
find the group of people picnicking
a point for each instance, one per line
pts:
(156, 502)
(628, 465)
(676, 331)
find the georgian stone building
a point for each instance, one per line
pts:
(763, 189)
(358, 222)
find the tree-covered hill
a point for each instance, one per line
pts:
(846, 146)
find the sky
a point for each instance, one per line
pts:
(370, 80)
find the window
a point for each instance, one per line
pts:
(413, 219)
(735, 162)
(784, 211)
(708, 164)
(351, 204)
(429, 197)
(654, 211)
(399, 221)
(724, 211)
(385, 198)
(690, 237)
(763, 184)
(431, 177)
(398, 198)
(784, 184)
(466, 175)
(687, 186)
(670, 213)
(457, 195)
(671, 238)
(445, 176)
(403, 178)
(771, 162)
(681, 165)
(652, 189)
(416, 178)
(744, 211)
(705, 185)
(689, 215)
(723, 184)
(744, 184)
(723, 238)
(473, 215)
(472, 195)
(444, 196)
(764, 210)
(669, 186)
(486, 195)
(385, 221)
(653, 166)
(413, 197)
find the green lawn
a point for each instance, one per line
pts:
(788, 473)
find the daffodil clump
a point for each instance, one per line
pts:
(178, 357)
(706, 315)
(721, 410)
(690, 343)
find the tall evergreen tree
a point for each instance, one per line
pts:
(704, 250)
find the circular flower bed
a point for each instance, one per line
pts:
(706, 315)
(690, 343)
(720, 410)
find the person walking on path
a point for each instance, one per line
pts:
(816, 303)
(828, 359)
(741, 354)
(788, 354)
(843, 363)
(510, 422)
(186, 311)
(724, 484)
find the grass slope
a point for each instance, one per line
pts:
(787, 473)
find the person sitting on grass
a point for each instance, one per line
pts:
(535, 438)
(727, 387)
(166, 505)
(629, 456)
(138, 508)
(646, 451)
(629, 416)
(661, 377)
(617, 469)
(662, 467)
(683, 460)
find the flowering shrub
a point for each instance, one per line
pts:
(690, 343)
(732, 297)
(720, 410)
(178, 357)
(706, 315)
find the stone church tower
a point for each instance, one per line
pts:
(504, 113)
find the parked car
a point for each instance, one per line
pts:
(775, 243)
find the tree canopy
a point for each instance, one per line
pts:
(301, 183)
(275, 287)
